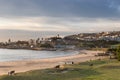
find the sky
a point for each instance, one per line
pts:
(26, 19)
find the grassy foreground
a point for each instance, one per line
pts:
(101, 70)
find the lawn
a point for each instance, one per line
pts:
(101, 70)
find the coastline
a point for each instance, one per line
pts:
(34, 64)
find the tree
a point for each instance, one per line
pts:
(46, 45)
(118, 53)
(9, 41)
(37, 41)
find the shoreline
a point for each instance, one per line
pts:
(38, 49)
(35, 64)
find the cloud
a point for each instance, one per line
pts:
(57, 8)
(32, 24)
(115, 5)
(60, 24)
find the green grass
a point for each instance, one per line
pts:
(101, 70)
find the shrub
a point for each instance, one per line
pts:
(118, 53)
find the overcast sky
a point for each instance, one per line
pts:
(25, 19)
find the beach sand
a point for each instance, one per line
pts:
(27, 65)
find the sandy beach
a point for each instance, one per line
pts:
(27, 65)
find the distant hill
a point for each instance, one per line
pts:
(108, 36)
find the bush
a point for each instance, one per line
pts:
(46, 45)
(118, 53)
